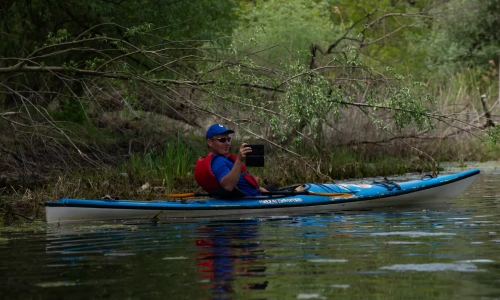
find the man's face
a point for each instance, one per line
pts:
(219, 147)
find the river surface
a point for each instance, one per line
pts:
(448, 253)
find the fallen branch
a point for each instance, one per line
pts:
(487, 114)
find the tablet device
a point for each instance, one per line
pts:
(256, 157)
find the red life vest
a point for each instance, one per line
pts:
(205, 177)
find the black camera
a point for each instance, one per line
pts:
(256, 157)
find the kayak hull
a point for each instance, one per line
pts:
(427, 192)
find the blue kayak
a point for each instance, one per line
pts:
(303, 198)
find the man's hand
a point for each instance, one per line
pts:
(244, 150)
(261, 189)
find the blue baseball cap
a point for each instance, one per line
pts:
(217, 129)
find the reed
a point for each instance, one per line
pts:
(175, 160)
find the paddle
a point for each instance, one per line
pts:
(272, 193)
(186, 195)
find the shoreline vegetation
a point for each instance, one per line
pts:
(105, 98)
(150, 176)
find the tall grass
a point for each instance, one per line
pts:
(175, 160)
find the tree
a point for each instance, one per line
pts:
(65, 63)
(467, 36)
(137, 69)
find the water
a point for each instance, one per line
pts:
(452, 253)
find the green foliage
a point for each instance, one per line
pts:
(285, 29)
(409, 102)
(93, 64)
(493, 133)
(175, 160)
(386, 31)
(304, 100)
(468, 36)
(70, 110)
(374, 37)
(61, 36)
(28, 22)
(378, 29)
(464, 45)
(166, 59)
(140, 29)
(307, 101)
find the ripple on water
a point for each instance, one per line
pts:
(327, 260)
(413, 254)
(412, 233)
(434, 267)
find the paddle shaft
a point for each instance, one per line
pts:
(272, 193)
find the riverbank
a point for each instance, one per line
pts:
(154, 174)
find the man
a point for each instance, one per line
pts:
(222, 173)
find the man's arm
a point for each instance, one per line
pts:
(230, 181)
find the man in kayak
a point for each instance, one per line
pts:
(222, 173)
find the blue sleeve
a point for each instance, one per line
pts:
(221, 166)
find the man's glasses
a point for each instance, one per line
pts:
(223, 140)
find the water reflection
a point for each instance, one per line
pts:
(229, 250)
(413, 254)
